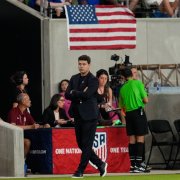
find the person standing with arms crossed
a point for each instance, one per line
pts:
(82, 92)
(133, 98)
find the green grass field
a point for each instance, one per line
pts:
(123, 177)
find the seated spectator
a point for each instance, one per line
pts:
(20, 117)
(82, 2)
(57, 5)
(167, 8)
(109, 2)
(96, 2)
(105, 99)
(54, 115)
(62, 89)
(133, 4)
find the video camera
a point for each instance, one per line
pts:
(115, 57)
(115, 72)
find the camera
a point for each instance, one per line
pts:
(117, 80)
(115, 57)
(126, 62)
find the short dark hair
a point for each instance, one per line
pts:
(85, 58)
(127, 72)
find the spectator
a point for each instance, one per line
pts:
(109, 2)
(62, 88)
(20, 117)
(105, 99)
(82, 92)
(82, 2)
(167, 7)
(57, 5)
(132, 98)
(133, 4)
(54, 115)
(20, 81)
(96, 2)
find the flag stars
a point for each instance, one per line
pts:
(82, 14)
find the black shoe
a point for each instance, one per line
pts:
(77, 174)
(140, 169)
(143, 164)
(132, 168)
(103, 169)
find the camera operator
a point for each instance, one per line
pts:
(116, 78)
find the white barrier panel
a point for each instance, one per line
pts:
(11, 150)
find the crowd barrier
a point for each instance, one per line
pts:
(11, 150)
(55, 151)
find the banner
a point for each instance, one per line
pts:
(110, 144)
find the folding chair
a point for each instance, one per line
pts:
(177, 127)
(162, 136)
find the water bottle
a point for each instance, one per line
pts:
(42, 7)
(158, 86)
(49, 9)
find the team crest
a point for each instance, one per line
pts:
(100, 146)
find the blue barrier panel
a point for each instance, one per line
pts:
(93, 2)
(40, 157)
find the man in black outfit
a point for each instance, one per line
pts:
(82, 92)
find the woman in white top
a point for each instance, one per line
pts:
(54, 115)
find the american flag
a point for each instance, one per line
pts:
(100, 27)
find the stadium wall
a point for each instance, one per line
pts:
(11, 150)
(158, 42)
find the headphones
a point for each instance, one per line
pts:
(17, 78)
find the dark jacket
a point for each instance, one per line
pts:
(83, 97)
(49, 117)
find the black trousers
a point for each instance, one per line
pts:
(85, 134)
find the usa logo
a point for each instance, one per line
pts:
(100, 146)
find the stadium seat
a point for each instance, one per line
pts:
(177, 127)
(162, 136)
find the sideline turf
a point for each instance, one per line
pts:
(127, 177)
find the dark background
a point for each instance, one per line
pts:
(20, 49)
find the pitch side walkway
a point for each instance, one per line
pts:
(112, 174)
(109, 174)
